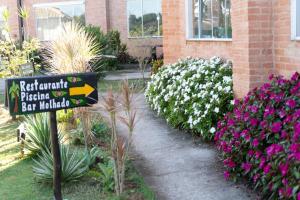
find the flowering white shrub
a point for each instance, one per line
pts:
(192, 94)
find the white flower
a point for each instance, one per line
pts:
(216, 110)
(212, 130)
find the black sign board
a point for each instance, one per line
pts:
(28, 95)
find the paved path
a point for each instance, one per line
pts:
(2, 85)
(126, 74)
(175, 167)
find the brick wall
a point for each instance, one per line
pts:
(108, 14)
(286, 51)
(175, 43)
(261, 42)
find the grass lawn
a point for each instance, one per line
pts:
(19, 183)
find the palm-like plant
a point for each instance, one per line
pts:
(38, 133)
(14, 91)
(73, 165)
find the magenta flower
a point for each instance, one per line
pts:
(254, 109)
(276, 127)
(285, 181)
(269, 111)
(285, 192)
(253, 122)
(236, 135)
(250, 153)
(298, 196)
(267, 168)
(291, 103)
(282, 114)
(262, 162)
(226, 175)
(274, 149)
(257, 154)
(283, 135)
(263, 124)
(295, 76)
(256, 177)
(294, 148)
(247, 167)
(230, 122)
(284, 168)
(255, 142)
(296, 135)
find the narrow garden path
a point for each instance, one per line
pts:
(177, 168)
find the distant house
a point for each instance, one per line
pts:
(259, 36)
(139, 21)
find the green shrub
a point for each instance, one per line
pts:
(92, 155)
(109, 44)
(100, 131)
(73, 165)
(260, 139)
(65, 115)
(192, 94)
(107, 176)
(38, 136)
(156, 65)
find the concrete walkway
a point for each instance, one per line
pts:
(126, 74)
(175, 167)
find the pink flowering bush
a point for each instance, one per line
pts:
(260, 138)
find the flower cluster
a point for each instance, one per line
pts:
(260, 138)
(192, 94)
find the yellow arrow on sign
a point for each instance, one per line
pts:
(85, 90)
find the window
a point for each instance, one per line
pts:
(50, 17)
(209, 19)
(2, 9)
(2, 22)
(144, 18)
(295, 7)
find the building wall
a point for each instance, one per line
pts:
(175, 43)
(118, 21)
(108, 14)
(286, 51)
(260, 45)
(13, 21)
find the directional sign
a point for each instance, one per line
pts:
(49, 93)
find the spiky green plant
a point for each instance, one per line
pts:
(38, 136)
(73, 165)
(73, 51)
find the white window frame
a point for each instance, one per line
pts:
(189, 27)
(143, 36)
(294, 20)
(59, 3)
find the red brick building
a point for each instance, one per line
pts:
(139, 21)
(259, 36)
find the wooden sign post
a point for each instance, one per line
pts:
(30, 95)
